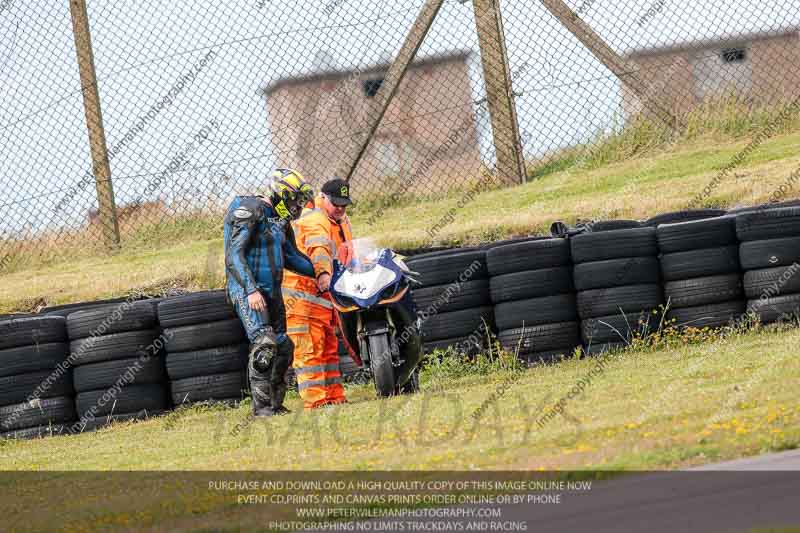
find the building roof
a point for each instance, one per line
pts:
(712, 42)
(374, 69)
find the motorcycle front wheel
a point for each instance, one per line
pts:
(412, 385)
(380, 362)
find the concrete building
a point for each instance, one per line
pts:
(428, 135)
(759, 68)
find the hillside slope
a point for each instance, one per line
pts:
(190, 255)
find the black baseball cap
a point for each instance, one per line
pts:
(338, 191)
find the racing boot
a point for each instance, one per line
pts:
(261, 359)
(277, 394)
(259, 390)
(281, 363)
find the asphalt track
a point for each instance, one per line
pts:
(753, 494)
(785, 461)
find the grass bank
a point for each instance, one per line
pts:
(679, 405)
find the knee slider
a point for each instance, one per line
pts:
(262, 356)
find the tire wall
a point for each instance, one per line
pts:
(769, 252)
(453, 304)
(534, 298)
(539, 297)
(206, 355)
(702, 273)
(620, 292)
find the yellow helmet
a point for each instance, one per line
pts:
(289, 192)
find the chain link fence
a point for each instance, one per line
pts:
(699, 61)
(197, 101)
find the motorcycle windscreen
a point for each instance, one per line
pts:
(366, 288)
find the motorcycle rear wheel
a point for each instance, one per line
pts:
(380, 362)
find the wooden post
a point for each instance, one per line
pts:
(382, 99)
(613, 62)
(94, 123)
(499, 96)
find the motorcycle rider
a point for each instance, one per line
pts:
(323, 233)
(259, 242)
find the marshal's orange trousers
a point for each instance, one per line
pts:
(316, 360)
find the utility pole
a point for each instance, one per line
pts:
(499, 94)
(94, 123)
(606, 55)
(380, 103)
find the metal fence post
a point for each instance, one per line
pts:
(499, 96)
(392, 82)
(94, 123)
(606, 55)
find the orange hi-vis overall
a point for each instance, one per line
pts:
(310, 316)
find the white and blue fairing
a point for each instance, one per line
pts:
(366, 287)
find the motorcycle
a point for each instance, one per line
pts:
(378, 316)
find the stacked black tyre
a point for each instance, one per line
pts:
(702, 276)
(118, 362)
(36, 394)
(683, 216)
(770, 257)
(67, 309)
(206, 348)
(453, 303)
(534, 298)
(617, 280)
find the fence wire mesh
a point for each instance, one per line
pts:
(697, 60)
(199, 100)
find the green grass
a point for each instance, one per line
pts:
(686, 403)
(725, 118)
